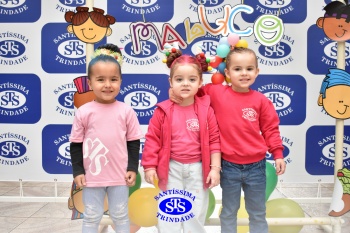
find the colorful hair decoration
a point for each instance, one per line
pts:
(172, 52)
(104, 51)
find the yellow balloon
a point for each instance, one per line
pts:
(227, 79)
(143, 207)
(242, 213)
(242, 43)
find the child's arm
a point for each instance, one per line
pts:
(280, 166)
(76, 153)
(130, 178)
(215, 168)
(151, 175)
(133, 148)
(133, 155)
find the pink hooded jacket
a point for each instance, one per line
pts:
(156, 152)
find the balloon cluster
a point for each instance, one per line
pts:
(226, 44)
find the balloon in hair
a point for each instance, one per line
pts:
(217, 78)
(232, 39)
(216, 61)
(222, 50)
(222, 67)
(242, 43)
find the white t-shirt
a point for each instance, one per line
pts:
(104, 130)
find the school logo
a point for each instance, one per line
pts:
(141, 10)
(65, 96)
(16, 11)
(288, 95)
(211, 6)
(13, 149)
(249, 114)
(68, 5)
(320, 150)
(55, 149)
(287, 145)
(61, 51)
(290, 11)
(142, 92)
(20, 98)
(322, 51)
(149, 52)
(175, 205)
(278, 55)
(13, 48)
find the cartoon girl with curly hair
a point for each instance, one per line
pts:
(89, 27)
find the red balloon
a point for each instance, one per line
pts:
(215, 63)
(217, 78)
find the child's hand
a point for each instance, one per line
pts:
(213, 178)
(80, 181)
(130, 178)
(151, 176)
(280, 166)
(173, 97)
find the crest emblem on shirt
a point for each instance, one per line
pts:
(249, 114)
(192, 124)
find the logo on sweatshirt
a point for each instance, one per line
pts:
(15, 11)
(175, 205)
(56, 149)
(320, 150)
(13, 149)
(249, 114)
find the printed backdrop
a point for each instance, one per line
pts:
(39, 60)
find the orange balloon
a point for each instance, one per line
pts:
(143, 207)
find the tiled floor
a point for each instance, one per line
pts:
(54, 217)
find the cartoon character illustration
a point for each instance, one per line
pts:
(336, 21)
(89, 27)
(343, 183)
(335, 94)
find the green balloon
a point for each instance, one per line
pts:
(271, 180)
(211, 206)
(137, 184)
(284, 208)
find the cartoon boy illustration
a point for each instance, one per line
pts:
(335, 22)
(335, 93)
(89, 27)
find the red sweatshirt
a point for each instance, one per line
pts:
(248, 123)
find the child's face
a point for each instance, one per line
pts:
(185, 83)
(242, 71)
(105, 81)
